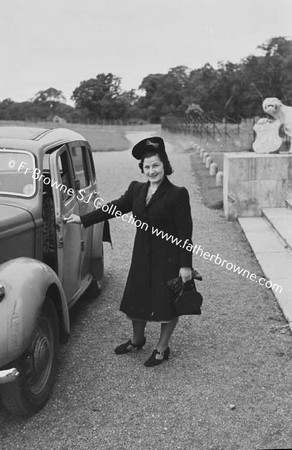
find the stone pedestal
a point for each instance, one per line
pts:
(253, 181)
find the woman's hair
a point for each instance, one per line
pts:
(168, 170)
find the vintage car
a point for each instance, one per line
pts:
(46, 264)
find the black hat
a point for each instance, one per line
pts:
(154, 143)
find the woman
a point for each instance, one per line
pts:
(163, 220)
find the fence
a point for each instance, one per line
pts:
(223, 134)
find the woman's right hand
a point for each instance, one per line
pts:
(73, 218)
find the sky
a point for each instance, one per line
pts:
(59, 43)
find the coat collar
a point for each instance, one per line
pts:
(162, 188)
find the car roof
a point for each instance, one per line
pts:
(35, 139)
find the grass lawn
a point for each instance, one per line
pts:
(212, 195)
(102, 138)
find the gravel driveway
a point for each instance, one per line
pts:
(237, 353)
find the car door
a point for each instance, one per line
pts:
(69, 245)
(86, 195)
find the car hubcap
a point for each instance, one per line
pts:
(39, 361)
(41, 355)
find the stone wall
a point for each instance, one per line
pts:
(253, 181)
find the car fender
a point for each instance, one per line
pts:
(26, 282)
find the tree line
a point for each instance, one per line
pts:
(231, 91)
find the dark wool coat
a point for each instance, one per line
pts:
(155, 260)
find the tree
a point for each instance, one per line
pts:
(203, 88)
(277, 46)
(148, 103)
(45, 104)
(49, 97)
(97, 96)
(278, 64)
(164, 94)
(7, 102)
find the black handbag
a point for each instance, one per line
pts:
(186, 299)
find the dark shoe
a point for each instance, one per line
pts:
(128, 347)
(153, 361)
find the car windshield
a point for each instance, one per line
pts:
(16, 173)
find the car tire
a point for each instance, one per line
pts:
(38, 366)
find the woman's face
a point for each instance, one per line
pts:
(153, 169)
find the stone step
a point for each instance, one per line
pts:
(288, 202)
(280, 219)
(274, 259)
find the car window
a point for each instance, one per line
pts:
(91, 162)
(17, 173)
(64, 168)
(46, 162)
(80, 165)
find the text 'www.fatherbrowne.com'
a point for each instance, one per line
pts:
(198, 250)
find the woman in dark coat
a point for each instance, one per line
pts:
(162, 216)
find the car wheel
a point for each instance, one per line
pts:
(37, 367)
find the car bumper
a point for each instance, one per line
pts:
(6, 376)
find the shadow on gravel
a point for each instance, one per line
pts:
(84, 305)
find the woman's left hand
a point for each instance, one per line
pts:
(185, 273)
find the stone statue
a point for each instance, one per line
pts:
(267, 139)
(276, 109)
